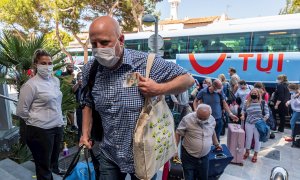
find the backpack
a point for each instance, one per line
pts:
(97, 128)
(270, 121)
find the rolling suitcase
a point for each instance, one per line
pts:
(176, 170)
(218, 161)
(236, 143)
(296, 135)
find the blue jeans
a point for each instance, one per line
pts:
(110, 171)
(294, 119)
(194, 168)
(218, 128)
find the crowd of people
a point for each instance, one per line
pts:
(236, 101)
(205, 108)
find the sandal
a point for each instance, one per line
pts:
(254, 159)
(246, 155)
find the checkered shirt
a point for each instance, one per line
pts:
(120, 107)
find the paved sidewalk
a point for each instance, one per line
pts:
(275, 152)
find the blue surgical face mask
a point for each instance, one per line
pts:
(204, 85)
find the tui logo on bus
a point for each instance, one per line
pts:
(245, 57)
(207, 70)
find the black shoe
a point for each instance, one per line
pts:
(280, 130)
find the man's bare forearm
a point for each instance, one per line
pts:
(178, 84)
(86, 121)
(215, 139)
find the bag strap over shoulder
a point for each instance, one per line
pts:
(150, 61)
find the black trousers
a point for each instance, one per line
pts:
(282, 112)
(44, 145)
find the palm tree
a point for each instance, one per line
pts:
(16, 57)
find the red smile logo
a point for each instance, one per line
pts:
(207, 70)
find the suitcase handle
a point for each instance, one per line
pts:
(220, 156)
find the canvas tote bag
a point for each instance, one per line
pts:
(154, 138)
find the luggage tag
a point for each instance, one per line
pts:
(131, 80)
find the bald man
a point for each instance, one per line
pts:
(197, 130)
(214, 96)
(119, 106)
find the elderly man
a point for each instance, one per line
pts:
(119, 106)
(197, 130)
(214, 96)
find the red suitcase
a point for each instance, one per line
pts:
(236, 143)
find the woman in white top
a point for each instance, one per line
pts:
(40, 107)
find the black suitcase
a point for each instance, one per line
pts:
(176, 170)
(296, 135)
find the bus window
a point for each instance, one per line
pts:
(173, 46)
(239, 42)
(217, 46)
(198, 44)
(276, 41)
(137, 44)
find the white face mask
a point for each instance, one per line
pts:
(202, 122)
(45, 70)
(106, 56)
(204, 85)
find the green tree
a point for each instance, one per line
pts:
(295, 6)
(53, 43)
(128, 12)
(292, 6)
(29, 17)
(26, 16)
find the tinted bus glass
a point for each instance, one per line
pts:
(276, 41)
(239, 42)
(137, 44)
(174, 45)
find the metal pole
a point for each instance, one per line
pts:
(5, 116)
(156, 35)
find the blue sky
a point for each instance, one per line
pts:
(235, 8)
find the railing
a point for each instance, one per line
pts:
(7, 98)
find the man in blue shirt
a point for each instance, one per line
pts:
(119, 106)
(214, 96)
